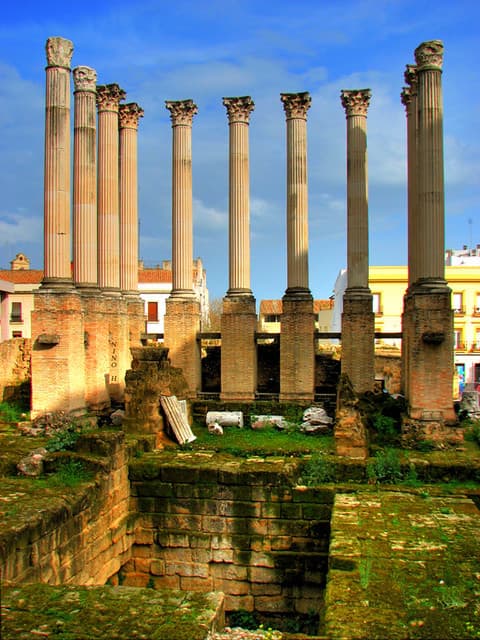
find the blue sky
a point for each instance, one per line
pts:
(162, 50)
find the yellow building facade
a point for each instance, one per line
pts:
(388, 285)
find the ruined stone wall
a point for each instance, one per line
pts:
(15, 373)
(80, 541)
(238, 527)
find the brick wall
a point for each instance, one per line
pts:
(358, 342)
(76, 541)
(182, 325)
(297, 353)
(241, 528)
(239, 351)
(15, 356)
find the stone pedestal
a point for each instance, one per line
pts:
(358, 339)
(182, 325)
(96, 308)
(429, 343)
(239, 350)
(297, 350)
(118, 347)
(58, 352)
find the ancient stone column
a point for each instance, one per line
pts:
(296, 106)
(182, 316)
(129, 115)
(238, 110)
(430, 183)
(358, 323)
(57, 269)
(181, 113)
(238, 321)
(85, 273)
(108, 100)
(58, 359)
(428, 332)
(409, 100)
(297, 355)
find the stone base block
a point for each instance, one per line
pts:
(297, 350)
(58, 352)
(239, 351)
(358, 341)
(428, 354)
(182, 325)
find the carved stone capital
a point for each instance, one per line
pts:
(429, 55)
(129, 115)
(411, 77)
(296, 105)
(85, 79)
(407, 97)
(239, 109)
(109, 97)
(355, 101)
(181, 111)
(59, 52)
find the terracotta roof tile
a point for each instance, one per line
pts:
(22, 276)
(154, 275)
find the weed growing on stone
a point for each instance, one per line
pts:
(316, 471)
(472, 431)
(365, 570)
(10, 413)
(385, 467)
(70, 473)
(65, 439)
(244, 619)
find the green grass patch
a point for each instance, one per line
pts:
(263, 442)
(11, 413)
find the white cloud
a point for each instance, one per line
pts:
(18, 229)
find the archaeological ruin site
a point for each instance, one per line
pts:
(128, 512)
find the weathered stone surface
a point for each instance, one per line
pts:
(32, 465)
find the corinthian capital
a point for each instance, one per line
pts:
(181, 111)
(239, 109)
(129, 115)
(296, 105)
(429, 55)
(85, 79)
(355, 101)
(109, 96)
(407, 97)
(411, 77)
(59, 52)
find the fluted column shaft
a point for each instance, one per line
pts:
(85, 273)
(108, 100)
(409, 100)
(430, 185)
(181, 113)
(129, 115)
(296, 106)
(355, 103)
(57, 270)
(239, 110)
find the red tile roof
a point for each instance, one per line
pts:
(274, 307)
(154, 275)
(22, 276)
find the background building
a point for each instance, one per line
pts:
(17, 286)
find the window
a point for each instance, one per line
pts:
(457, 302)
(16, 313)
(272, 318)
(376, 301)
(16, 334)
(152, 311)
(477, 303)
(457, 339)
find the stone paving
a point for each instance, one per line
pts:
(403, 565)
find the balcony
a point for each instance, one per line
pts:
(16, 319)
